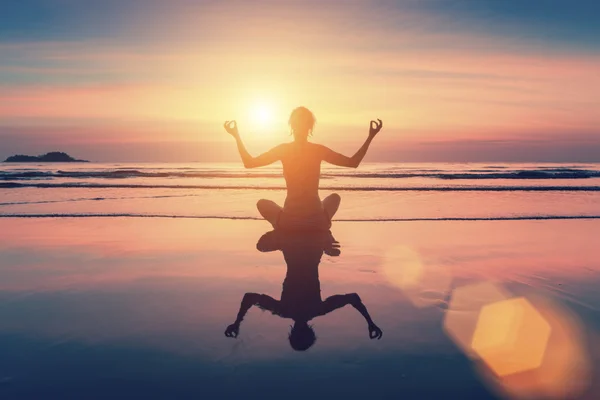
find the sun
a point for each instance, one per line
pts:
(262, 115)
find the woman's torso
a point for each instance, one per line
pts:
(302, 170)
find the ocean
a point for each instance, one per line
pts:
(373, 192)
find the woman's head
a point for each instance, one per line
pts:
(302, 336)
(302, 122)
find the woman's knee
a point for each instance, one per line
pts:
(262, 204)
(268, 208)
(336, 198)
(333, 199)
(331, 204)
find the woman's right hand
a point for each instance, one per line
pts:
(231, 128)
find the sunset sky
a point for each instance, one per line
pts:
(153, 80)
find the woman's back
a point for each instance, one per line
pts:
(302, 170)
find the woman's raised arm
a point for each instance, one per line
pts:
(341, 160)
(264, 159)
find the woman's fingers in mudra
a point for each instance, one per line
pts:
(230, 127)
(375, 126)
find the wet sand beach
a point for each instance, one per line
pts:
(117, 307)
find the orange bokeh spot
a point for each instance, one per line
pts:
(526, 348)
(511, 336)
(564, 370)
(424, 284)
(463, 312)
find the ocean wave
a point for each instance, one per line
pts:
(492, 173)
(248, 218)
(80, 199)
(88, 185)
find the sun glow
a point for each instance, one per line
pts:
(262, 116)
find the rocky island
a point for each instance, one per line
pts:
(54, 156)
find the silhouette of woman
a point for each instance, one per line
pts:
(301, 294)
(303, 209)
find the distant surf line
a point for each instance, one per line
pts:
(15, 185)
(94, 199)
(120, 173)
(248, 218)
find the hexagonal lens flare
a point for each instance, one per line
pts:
(526, 347)
(463, 312)
(511, 336)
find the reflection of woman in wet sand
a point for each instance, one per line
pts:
(301, 169)
(301, 294)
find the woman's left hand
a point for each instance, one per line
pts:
(375, 127)
(231, 128)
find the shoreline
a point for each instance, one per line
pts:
(242, 218)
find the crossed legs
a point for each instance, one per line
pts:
(271, 210)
